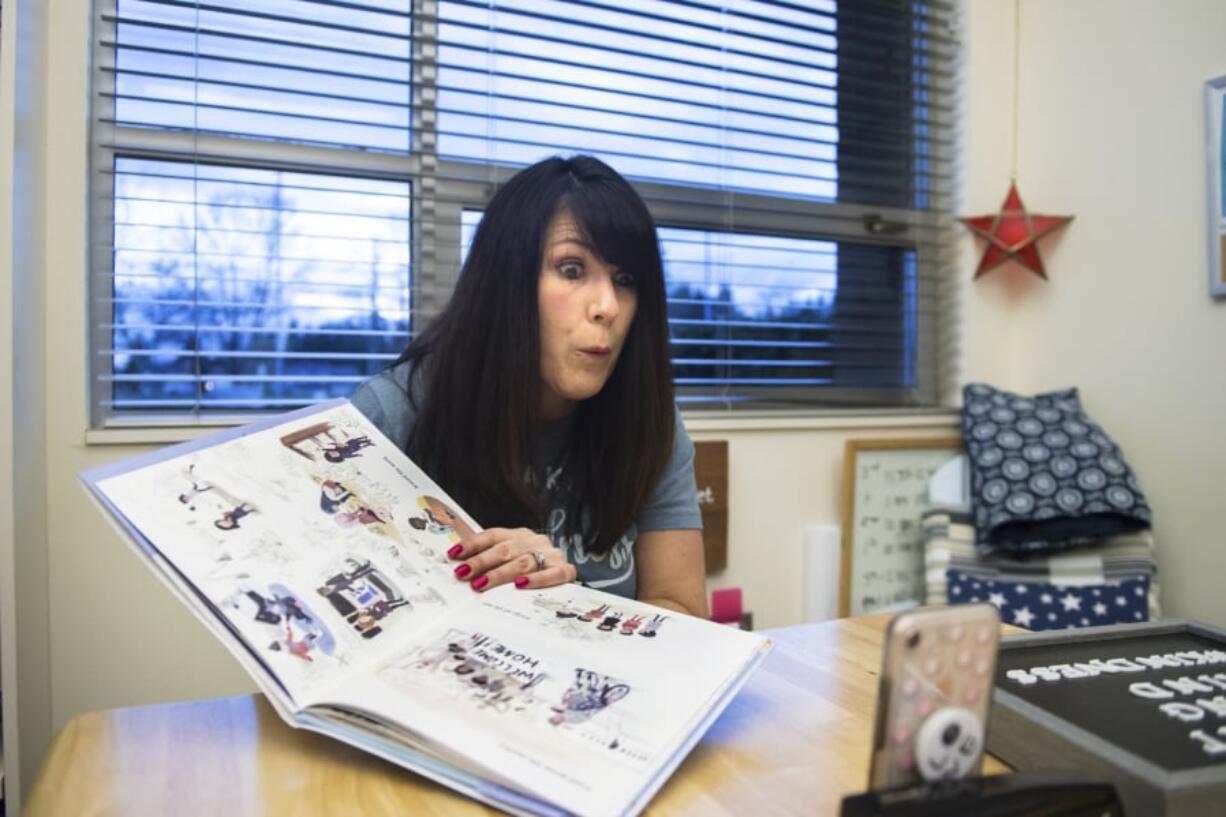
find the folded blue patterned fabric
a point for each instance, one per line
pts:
(1044, 476)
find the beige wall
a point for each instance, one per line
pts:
(1118, 145)
(24, 576)
(1112, 130)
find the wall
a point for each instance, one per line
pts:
(1112, 130)
(117, 637)
(785, 475)
(8, 607)
(24, 569)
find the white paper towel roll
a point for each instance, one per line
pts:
(821, 574)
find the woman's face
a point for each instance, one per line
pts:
(586, 308)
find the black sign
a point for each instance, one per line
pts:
(1159, 695)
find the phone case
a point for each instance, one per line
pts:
(937, 672)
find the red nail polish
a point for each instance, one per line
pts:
(455, 551)
(463, 570)
(480, 582)
(522, 581)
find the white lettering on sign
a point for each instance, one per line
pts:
(1163, 690)
(1189, 713)
(1186, 686)
(1118, 665)
(1162, 661)
(1210, 744)
(1216, 705)
(1146, 689)
(1089, 669)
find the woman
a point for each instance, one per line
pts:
(541, 398)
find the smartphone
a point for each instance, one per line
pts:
(937, 671)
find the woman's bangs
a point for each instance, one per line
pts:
(619, 232)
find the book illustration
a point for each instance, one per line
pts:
(434, 528)
(227, 509)
(349, 448)
(576, 621)
(586, 696)
(440, 520)
(348, 498)
(363, 596)
(630, 625)
(590, 693)
(225, 526)
(345, 497)
(587, 711)
(346, 506)
(332, 442)
(197, 487)
(505, 678)
(492, 675)
(362, 510)
(281, 616)
(229, 519)
(653, 626)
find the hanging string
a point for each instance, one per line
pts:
(1017, 48)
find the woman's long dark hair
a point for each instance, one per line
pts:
(479, 362)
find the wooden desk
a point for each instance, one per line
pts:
(793, 742)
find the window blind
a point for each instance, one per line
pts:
(250, 250)
(250, 288)
(286, 70)
(282, 187)
(797, 157)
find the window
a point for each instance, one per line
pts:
(282, 188)
(251, 288)
(252, 206)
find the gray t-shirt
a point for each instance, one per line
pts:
(673, 505)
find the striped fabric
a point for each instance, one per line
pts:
(949, 547)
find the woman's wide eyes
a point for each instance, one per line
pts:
(573, 271)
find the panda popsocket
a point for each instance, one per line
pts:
(948, 744)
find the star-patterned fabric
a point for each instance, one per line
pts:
(952, 560)
(1046, 606)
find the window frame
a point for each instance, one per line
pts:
(442, 189)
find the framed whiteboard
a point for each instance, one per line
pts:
(885, 492)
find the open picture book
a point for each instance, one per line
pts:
(315, 550)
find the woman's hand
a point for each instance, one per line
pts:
(502, 555)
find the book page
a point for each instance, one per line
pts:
(576, 696)
(316, 539)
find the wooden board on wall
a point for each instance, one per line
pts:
(711, 473)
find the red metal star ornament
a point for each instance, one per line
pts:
(1013, 233)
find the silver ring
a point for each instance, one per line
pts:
(540, 559)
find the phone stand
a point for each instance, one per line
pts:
(1017, 794)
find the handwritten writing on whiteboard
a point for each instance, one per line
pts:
(887, 546)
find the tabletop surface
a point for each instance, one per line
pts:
(794, 741)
